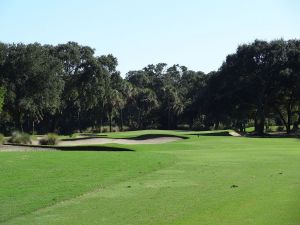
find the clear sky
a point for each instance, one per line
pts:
(197, 34)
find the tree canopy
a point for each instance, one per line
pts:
(66, 87)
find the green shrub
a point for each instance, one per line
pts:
(269, 129)
(106, 129)
(20, 138)
(74, 135)
(1, 139)
(50, 139)
(198, 123)
(280, 128)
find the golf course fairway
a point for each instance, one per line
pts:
(205, 178)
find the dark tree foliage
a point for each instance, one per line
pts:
(258, 82)
(67, 88)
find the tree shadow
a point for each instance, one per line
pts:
(221, 133)
(150, 136)
(95, 148)
(271, 135)
(248, 135)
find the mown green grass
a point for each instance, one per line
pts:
(184, 182)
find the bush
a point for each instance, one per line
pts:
(280, 128)
(269, 129)
(104, 130)
(198, 123)
(74, 135)
(20, 138)
(50, 139)
(1, 139)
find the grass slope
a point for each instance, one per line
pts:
(205, 179)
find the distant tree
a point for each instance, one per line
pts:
(286, 105)
(192, 85)
(67, 87)
(146, 101)
(33, 82)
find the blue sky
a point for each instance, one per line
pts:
(197, 34)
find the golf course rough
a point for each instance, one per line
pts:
(204, 179)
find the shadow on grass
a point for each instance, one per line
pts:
(140, 137)
(150, 136)
(93, 148)
(222, 133)
(272, 135)
(249, 135)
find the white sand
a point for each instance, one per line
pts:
(88, 141)
(94, 141)
(235, 134)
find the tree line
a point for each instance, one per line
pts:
(66, 88)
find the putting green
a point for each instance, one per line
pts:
(205, 179)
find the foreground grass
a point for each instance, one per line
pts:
(33, 180)
(201, 180)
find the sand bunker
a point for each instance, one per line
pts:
(87, 141)
(235, 134)
(95, 141)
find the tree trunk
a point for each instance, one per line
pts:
(100, 128)
(286, 123)
(296, 123)
(139, 119)
(101, 118)
(260, 130)
(110, 121)
(78, 121)
(54, 123)
(242, 127)
(255, 122)
(216, 126)
(289, 118)
(169, 118)
(32, 127)
(260, 121)
(121, 118)
(20, 124)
